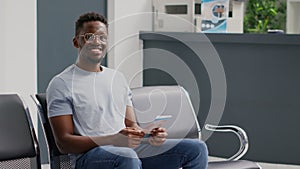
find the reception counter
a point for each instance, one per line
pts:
(261, 81)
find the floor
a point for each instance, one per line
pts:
(263, 165)
(266, 165)
(278, 166)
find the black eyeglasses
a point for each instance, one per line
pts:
(90, 37)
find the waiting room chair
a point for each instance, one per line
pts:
(148, 102)
(151, 101)
(18, 143)
(57, 159)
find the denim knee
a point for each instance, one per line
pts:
(125, 152)
(127, 158)
(199, 147)
(200, 151)
(109, 157)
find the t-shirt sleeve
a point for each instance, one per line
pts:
(129, 97)
(58, 98)
(128, 93)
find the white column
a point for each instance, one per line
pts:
(293, 15)
(126, 19)
(18, 49)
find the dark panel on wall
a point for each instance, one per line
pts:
(55, 30)
(56, 20)
(160, 77)
(153, 79)
(262, 74)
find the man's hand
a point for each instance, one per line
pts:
(129, 137)
(158, 136)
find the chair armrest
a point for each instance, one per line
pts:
(240, 133)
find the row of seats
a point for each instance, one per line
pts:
(19, 146)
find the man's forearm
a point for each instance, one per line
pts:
(80, 144)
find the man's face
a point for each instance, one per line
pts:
(92, 41)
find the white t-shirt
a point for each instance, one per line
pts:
(96, 100)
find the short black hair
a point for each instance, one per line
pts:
(90, 16)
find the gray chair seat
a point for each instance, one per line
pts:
(239, 164)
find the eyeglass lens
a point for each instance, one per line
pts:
(91, 37)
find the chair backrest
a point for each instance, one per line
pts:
(57, 159)
(18, 144)
(151, 101)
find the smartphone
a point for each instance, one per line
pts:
(157, 122)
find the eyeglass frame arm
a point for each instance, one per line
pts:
(239, 132)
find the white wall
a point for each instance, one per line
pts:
(18, 49)
(293, 13)
(126, 19)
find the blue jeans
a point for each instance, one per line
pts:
(173, 154)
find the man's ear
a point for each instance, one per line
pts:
(75, 42)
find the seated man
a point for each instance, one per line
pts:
(92, 118)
